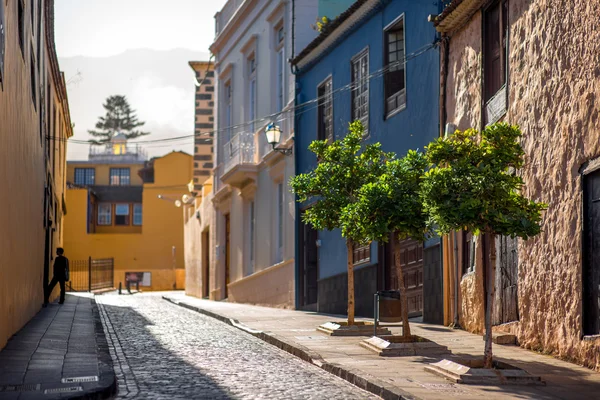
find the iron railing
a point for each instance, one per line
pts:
(239, 150)
(91, 274)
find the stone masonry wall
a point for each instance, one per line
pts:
(554, 96)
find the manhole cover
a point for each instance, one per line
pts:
(20, 388)
(71, 389)
(80, 379)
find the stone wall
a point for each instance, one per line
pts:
(554, 91)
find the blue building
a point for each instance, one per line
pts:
(377, 62)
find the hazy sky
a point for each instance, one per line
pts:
(101, 28)
(98, 44)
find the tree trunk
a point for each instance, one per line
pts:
(350, 249)
(403, 297)
(489, 249)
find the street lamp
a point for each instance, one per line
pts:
(176, 202)
(273, 133)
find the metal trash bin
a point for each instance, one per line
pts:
(389, 306)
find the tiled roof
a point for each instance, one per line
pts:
(456, 14)
(126, 194)
(329, 28)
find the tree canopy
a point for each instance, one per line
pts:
(119, 118)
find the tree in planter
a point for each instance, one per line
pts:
(119, 118)
(344, 167)
(472, 185)
(391, 203)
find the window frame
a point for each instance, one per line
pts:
(495, 102)
(127, 221)
(120, 176)
(136, 207)
(86, 174)
(252, 88)
(324, 106)
(279, 47)
(386, 54)
(357, 249)
(108, 214)
(355, 62)
(280, 218)
(228, 96)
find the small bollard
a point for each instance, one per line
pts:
(119, 287)
(137, 285)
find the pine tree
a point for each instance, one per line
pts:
(119, 118)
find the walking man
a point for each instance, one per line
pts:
(61, 274)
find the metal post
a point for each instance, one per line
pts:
(119, 287)
(375, 313)
(90, 274)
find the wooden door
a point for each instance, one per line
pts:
(591, 266)
(205, 264)
(411, 259)
(310, 266)
(227, 251)
(507, 276)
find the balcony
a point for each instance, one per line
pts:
(117, 154)
(239, 164)
(225, 15)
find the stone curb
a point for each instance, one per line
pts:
(107, 382)
(358, 378)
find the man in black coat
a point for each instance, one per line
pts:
(61, 274)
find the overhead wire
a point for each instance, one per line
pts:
(298, 109)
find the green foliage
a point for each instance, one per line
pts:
(344, 167)
(119, 118)
(321, 24)
(472, 184)
(391, 203)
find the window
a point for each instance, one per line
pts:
(252, 91)
(280, 211)
(468, 264)
(361, 254)
(280, 68)
(121, 214)
(33, 80)
(104, 214)
(228, 107)
(119, 176)
(360, 91)
(85, 176)
(395, 75)
(137, 214)
(494, 42)
(325, 110)
(21, 16)
(2, 42)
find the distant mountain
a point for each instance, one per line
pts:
(158, 84)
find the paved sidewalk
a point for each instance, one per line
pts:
(60, 343)
(398, 377)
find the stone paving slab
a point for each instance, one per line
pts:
(61, 341)
(404, 377)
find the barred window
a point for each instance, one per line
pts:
(360, 89)
(325, 110)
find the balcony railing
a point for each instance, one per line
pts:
(108, 153)
(239, 150)
(225, 15)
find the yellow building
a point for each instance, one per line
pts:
(124, 207)
(34, 127)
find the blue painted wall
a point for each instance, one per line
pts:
(412, 128)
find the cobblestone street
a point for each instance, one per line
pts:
(163, 351)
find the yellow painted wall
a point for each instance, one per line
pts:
(162, 228)
(102, 173)
(24, 169)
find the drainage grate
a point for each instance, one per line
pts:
(80, 379)
(64, 390)
(21, 388)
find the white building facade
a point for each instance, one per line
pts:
(255, 222)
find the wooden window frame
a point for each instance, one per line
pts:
(120, 176)
(136, 206)
(495, 49)
(325, 110)
(399, 96)
(127, 219)
(360, 112)
(361, 254)
(99, 214)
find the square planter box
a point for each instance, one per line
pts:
(358, 329)
(398, 346)
(472, 372)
